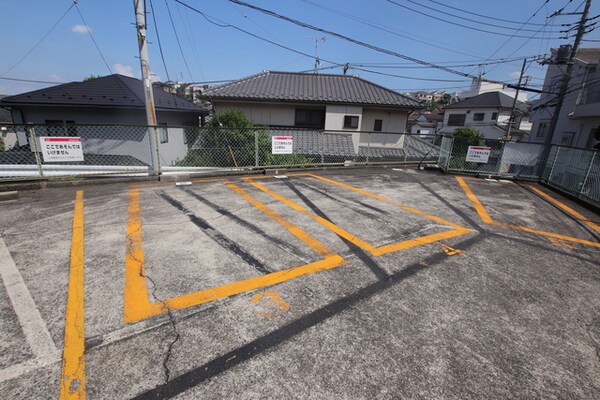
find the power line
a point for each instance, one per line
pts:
(162, 56)
(456, 23)
(387, 29)
(407, 77)
(28, 80)
(178, 42)
(39, 41)
(366, 45)
(87, 28)
(483, 16)
(469, 19)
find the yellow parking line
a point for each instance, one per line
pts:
(295, 230)
(565, 207)
(137, 305)
(376, 251)
(386, 200)
(72, 384)
(483, 214)
(328, 224)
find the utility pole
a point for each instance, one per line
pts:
(140, 24)
(567, 76)
(515, 101)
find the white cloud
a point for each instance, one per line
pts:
(81, 29)
(515, 74)
(56, 78)
(154, 78)
(123, 70)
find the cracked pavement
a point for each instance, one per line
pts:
(236, 293)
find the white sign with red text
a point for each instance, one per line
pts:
(282, 144)
(478, 154)
(61, 149)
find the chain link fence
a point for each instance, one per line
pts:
(69, 150)
(491, 157)
(575, 171)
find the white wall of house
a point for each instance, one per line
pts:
(580, 113)
(417, 129)
(334, 117)
(117, 140)
(263, 113)
(487, 127)
(392, 120)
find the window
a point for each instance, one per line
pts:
(494, 116)
(456, 119)
(541, 130)
(478, 116)
(567, 138)
(378, 125)
(418, 131)
(350, 121)
(58, 127)
(310, 118)
(163, 133)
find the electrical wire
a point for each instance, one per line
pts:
(481, 15)
(395, 32)
(178, 42)
(92, 37)
(456, 23)
(469, 19)
(29, 80)
(39, 41)
(160, 49)
(364, 44)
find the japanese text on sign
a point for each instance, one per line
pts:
(60, 149)
(478, 154)
(282, 144)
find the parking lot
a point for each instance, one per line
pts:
(339, 284)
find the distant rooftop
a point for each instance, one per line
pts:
(588, 55)
(486, 100)
(305, 87)
(112, 91)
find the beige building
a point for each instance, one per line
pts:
(342, 104)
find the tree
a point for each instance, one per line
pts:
(230, 139)
(1, 144)
(91, 77)
(446, 99)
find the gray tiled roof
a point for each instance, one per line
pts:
(112, 91)
(486, 100)
(304, 87)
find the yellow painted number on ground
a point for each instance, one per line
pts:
(275, 301)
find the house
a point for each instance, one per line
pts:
(364, 112)
(489, 113)
(480, 86)
(425, 122)
(579, 120)
(116, 104)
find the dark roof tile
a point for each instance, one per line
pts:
(304, 87)
(112, 91)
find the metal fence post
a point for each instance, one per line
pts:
(368, 145)
(34, 146)
(553, 164)
(256, 148)
(322, 146)
(587, 173)
(403, 146)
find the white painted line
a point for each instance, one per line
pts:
(16, 370)
(34, 327)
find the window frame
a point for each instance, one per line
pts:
(478, 116)
(378, 125)
(495, 116)
(163, 133)
(312, 118)
(351, 121)
(461, 116)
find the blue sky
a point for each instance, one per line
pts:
(215, 53)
